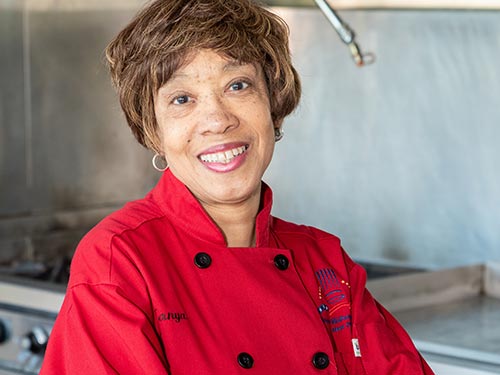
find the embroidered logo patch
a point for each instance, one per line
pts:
(335, 309)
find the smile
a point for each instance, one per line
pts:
(223, 157)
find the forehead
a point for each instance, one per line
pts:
(205, 63)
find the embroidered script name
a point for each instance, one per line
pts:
(174, 316)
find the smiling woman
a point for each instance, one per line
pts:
(198, 277)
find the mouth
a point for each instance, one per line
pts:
(223, 157)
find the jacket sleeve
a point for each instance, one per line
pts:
(106, 324)
(396, 327)
(386, 348)
(100, 331)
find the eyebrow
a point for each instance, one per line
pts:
(234, 64)
(228, 67)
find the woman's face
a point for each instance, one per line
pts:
(216, 128)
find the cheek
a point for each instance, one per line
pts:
(259, 111)
(176, 140)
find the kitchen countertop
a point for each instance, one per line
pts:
(29, 294)
(452, 315)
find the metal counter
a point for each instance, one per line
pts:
(452, 315)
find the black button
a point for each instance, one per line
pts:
(245, 360)
(321, 360)
(281, 262)
(202, 260)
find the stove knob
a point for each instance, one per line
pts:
(36, 340)
(4, 332)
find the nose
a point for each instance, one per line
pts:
(217, 116)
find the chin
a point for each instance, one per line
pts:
(236, 193)
(232, 196)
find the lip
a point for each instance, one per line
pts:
(235, 162)
(222, 148)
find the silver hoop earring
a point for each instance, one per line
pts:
(155, 161)
(278, 134)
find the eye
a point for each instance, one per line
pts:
(239, 85)
(181, 99)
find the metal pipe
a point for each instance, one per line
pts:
(345, 33)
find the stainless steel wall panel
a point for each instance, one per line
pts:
(84, 156)
(13, 197)
(399, 157)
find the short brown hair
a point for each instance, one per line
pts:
(156, 43)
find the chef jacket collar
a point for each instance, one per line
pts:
(180, 205)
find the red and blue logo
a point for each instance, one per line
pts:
(335, 308)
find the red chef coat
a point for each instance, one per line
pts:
(155, 290)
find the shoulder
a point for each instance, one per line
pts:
(115, 234)
(311, 240)
(304, 239)
(132, 218)
(286, 229)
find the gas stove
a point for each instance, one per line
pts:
(28, 309)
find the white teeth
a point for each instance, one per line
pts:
(223, 157)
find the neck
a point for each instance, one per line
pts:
(236, 220)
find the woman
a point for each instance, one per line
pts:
(198, 277)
